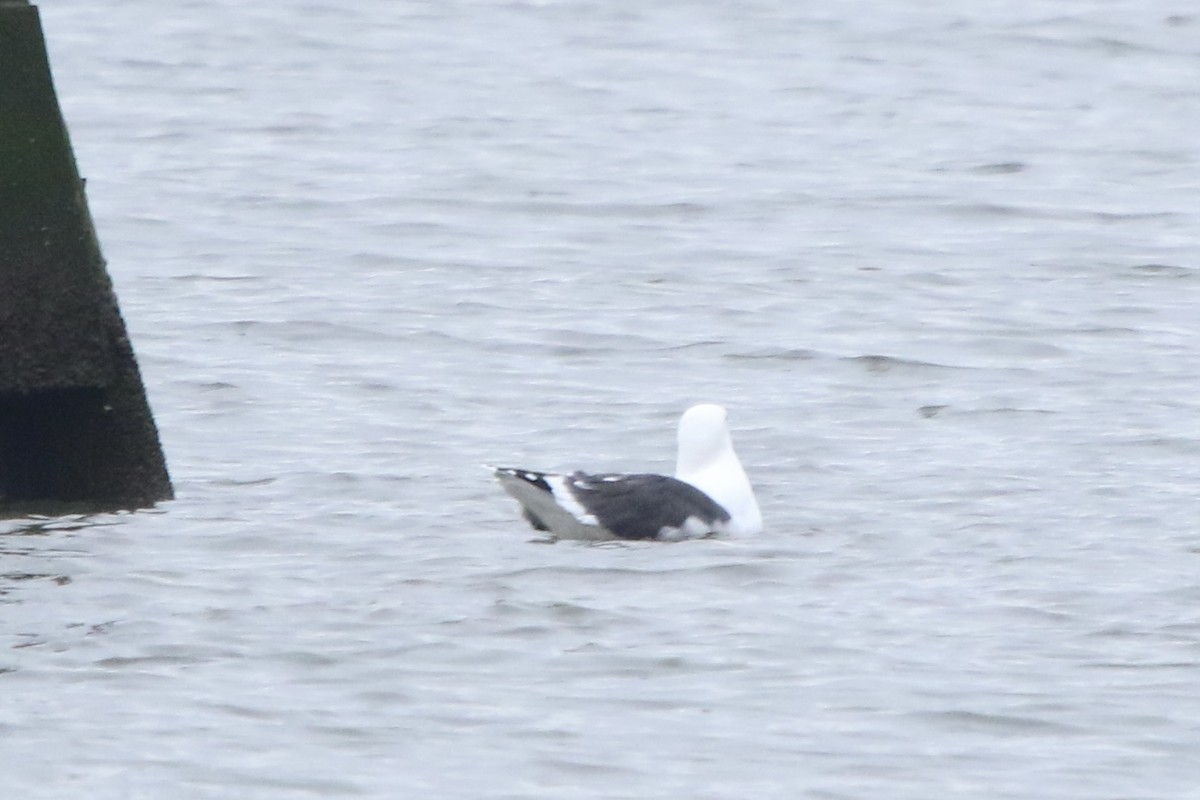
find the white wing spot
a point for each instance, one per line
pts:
(692, 528)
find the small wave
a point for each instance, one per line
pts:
(580, 343)
(694, 345)
(236, 482)
(881, 363)
(307, 330)
(775, 354)
(1164, 271)
(937, 410)
(1054, 213)
(1002, 168)
(549, 207)
(1016, 725)
(1131, 216)
(1182, 445)
(196, 277)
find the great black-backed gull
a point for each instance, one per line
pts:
(709, 495)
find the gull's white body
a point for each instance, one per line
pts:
(707, 461)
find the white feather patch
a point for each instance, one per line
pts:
(566, 500)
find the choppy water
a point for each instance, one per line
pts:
(939, 261)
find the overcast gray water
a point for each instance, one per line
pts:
(938, 259)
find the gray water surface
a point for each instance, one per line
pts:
(939, 261)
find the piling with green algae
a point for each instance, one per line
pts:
(75, 426)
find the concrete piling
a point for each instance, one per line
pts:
(75, 427)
